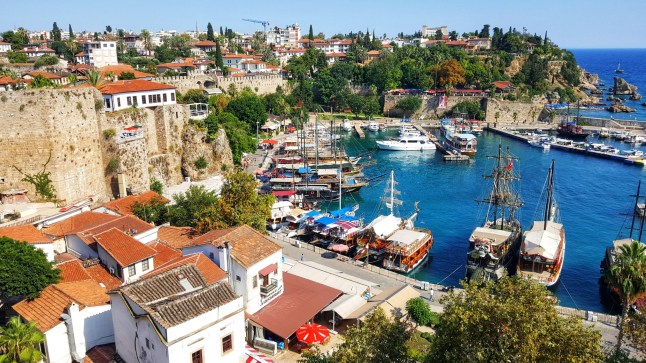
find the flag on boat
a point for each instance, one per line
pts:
(511, 165)
(441, 101)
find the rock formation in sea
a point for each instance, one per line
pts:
(622, 87)
(618, 106)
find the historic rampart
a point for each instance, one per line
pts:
(261, 84)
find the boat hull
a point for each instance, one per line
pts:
(507, 262)
(395, 146)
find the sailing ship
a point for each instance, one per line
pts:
(381, 233)
(407, 248)
(458, 138)
(542, 251)
(570, 130)
(619, 70)
(493, 248)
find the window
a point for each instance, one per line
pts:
(150, 99)
(196, 357)
(129, 100)
(118, 102)
(111, 45)
(107, 103)
(144, 265)
(172, 96)
(131, 270)
(143, 100)
(105, 45)
(165, 100)
(255, 282)
(238, 278)
(227, 344)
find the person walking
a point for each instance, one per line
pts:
(302, 257)
(432, 294)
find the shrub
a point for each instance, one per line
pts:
(22, 108)
(98, 105)
(201, 163)
(109, 133)
(113, 165)
(156, 186)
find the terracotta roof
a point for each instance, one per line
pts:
(164, 254)
(26, 233)
(79, 222)
(248, 246)
(123, 248)
(118, 69)
(8, 80)
(46, 309)
(335, 55)
(127, 224)
(209, 270)
(176, 237)
(102, 276)
(132, 86)
(166, 299)
(205, 43)
(72, 271)
(300, 301)
(175, 65)
(373, 52)
(101, 354)
(238, 56)
(124, 205)
(79, 54)
(45, 75)
(64, 257)
(253, 61)
(503, 84)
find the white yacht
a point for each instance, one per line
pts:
(347, 125)
(373, 126)
(407, 143)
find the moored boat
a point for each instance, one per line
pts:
(542, 252)
(493, 248)
(571, 130)
(407, 143)
(373, 126)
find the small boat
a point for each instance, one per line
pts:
(539, 143)
(347, 125)
(542, 252)
(493, 248)
(604, 133)
(407, 129)
(407, 143)
(571, 130)
(619, 70)
(373, 126)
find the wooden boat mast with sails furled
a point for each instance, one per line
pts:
(493, 248)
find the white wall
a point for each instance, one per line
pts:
(48, 248)
(245, 287)
(76, 244)
(147, 236)
(57, 345)
(109, 262)
(120, 101)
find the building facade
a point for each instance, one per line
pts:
(100, 53)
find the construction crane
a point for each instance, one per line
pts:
(263, 22)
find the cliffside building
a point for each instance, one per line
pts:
(136, 93)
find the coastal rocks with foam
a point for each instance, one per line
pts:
(622, 87)
(618, 106)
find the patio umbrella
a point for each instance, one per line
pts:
(340, 248)
(312, 333)
(270, 141)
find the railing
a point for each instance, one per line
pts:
(267, 289)
(268, 297)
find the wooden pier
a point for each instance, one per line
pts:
(448, 156)
(573, 149)
(359, 130)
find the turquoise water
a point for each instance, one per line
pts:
(604, 62)
(594, 196)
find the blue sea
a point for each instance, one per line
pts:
(604, 62)
(594, 196)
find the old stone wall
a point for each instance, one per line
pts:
(259, 84)
(215, 152)
(525, 112)
(192, 81)
(429, 109)
(35, 124)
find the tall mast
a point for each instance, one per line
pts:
(392, 192)
(636, 210)
(548, 198)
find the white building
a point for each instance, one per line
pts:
(176, 316)
(5, 47)
(289, 35)
(431, 32)
(73, 316)
(136, 93)
(123, 255)
(100, 53)
(235, 60)
(32, 236)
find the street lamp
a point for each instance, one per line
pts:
(257, 139)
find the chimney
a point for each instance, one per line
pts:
(223, 257)
(75, 336)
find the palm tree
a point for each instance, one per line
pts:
(19, 342)
(497, 116)
(146, 38)
(515, 117)
(94, 78)
(628, 278)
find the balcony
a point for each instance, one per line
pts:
(269, 292)
(268, 289)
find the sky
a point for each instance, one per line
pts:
(569, 23)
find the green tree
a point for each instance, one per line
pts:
(17, 39)
(419, 311)
(635, 329)
(41, 82)
(71, 32)
(356, 104)
(513, 320)
(108, 29)
(188, 205)
(24, 272)
(209, 32)
(627, 278)
(154, 211)
(239, 203)
(19, 342)
(409, 105)
(17, 57)
(219, 62)
(126, 76)
(311, 33)
(194, 96)
(248, 107)
(371, 106)
(377, 340)
(239, 135)
(45, 60)
(156, 186)
(147, 39)
(56, 33)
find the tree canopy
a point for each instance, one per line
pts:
(513, 320)
(19, 342)
(24, 271)
(184, 212)
(248, 107)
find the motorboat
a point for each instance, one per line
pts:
(407, 143)
(347, 125)
(373, 126)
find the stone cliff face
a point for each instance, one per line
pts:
(85, 145)
(216, 153)
(622, 87)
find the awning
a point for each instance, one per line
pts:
(267, 270)
(270, 141)
(325, 221)
(254, 356)
(283, 193)
(345, 225)
(341, 212)
(346, 304)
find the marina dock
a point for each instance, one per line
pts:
(359, 131)
(448, 156)
(573, 149)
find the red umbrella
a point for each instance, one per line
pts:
(270, 141)
(312, 333)
(340, 248)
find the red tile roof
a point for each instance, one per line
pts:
(176, 237)
(79, 222)
(45, 310)
(335, 55)
(175, 65)
(124, 205)
(27, 233)
(101, 354)
(123, 248)
(503, 84)
(102, 276)
(205, 43)
(210, 271)
(238, 56)
(72, 271)
(44, 74)
(118, 69)
(132, 86)
(127, 224)
(164, 254)
(301, 300)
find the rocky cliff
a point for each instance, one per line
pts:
(215, 153)
(621, 87)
